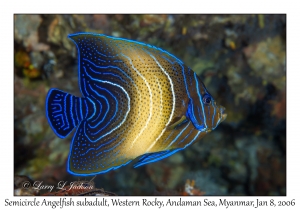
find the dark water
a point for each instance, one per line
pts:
(241, 60)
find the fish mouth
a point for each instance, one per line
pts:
(223, 114)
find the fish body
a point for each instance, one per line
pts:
(137, 101)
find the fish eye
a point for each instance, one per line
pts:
(206, 99)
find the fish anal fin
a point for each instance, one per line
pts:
(156, 156)
(90, 157)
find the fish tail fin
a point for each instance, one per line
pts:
(63, 112)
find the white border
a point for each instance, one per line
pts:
(8, 8)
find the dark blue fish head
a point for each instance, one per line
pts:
(203, 110)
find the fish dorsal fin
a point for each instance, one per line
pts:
(100, 55)
(156, 156)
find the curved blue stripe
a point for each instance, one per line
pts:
(213, 118)
(116, 100)
(114, 67)
(192, 140)
(76, 110)
(107, 56)
(108, 73)
(97, 100)
(65, 112)
(71, 106)
(80, 107)
(179, 134)
(191, 102)
(103, 81)
(116, 109)
(100, 146)
(120, 78)
(164, 57)
(200, 98)
(104, 151)
(86, 109)
(199, 114)
(106, 111)
(84, 86)
(169, 136)
(102, 67)
(186, 136)
(93, 106)
(100, 59)
(184, 78)
(122, 140)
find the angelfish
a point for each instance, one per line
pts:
(137, 101)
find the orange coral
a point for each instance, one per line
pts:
(22, 61)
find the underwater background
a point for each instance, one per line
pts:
(240, 58)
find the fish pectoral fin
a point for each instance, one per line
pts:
(177, 121)
(156, 156)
